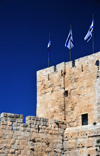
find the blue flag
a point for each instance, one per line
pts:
(89, 33)
(69, 41)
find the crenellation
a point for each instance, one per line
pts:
(60, 66)
(11, 117)
(46, 71)
(30, 120)
(32, 137)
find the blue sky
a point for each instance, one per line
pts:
(24, 31)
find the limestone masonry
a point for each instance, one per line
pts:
(68, 114)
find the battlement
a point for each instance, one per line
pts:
(34, 137)
(15, 122)
(70, 64)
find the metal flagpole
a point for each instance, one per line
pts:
(93, 33)
(70, 44)
(49, 53)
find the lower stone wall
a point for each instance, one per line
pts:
(34, 138)
(38, 137)
(82, 141)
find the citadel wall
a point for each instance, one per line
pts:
(67, 91)
(82, 141)
(36, 138)
(64, 94)
(33, 138)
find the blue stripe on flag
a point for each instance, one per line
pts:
(88, 38)
(68, 39)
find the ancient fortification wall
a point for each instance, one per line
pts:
(68, 114)
(36, 138)
(82, 141)
(69, 90)
(33, 138)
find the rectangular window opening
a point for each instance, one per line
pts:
(84, 118)
(55, 69)
(48, 77)
(73, 63)
(82, 68)
(66, 93)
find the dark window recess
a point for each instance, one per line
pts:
(84, 119)
(12, 128)
(66, 93)
(61, 72)
(54, 68)
(38, 128)
(64, 73)
(97, 63)
(82, 68)
(73, 63)
(48, 76)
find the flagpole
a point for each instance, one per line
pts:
(70, 45)
(93, 35)
(49, 53)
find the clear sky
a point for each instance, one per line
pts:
(24, 31)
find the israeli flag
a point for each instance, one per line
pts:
(69, 41)
(49, 44)
(89, 33)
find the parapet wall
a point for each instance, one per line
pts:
(77, 62)
(34, 137)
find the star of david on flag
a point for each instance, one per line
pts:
(89, 33)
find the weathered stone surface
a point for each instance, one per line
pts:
(82, 86)
(31, 138)
(64, 94)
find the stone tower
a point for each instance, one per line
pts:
(70, 91)
(68, 114)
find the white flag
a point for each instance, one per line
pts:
(89, 33)
(69, 41)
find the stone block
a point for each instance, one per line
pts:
(91, 151)
(89, 142)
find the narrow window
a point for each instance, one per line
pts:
(97, 63)
(66, 93)
(84, 119)
(61, 72)
(12, 127)
(73, 63)
(82, 68)
(48, 76)
(55, 69)
(38, 128)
